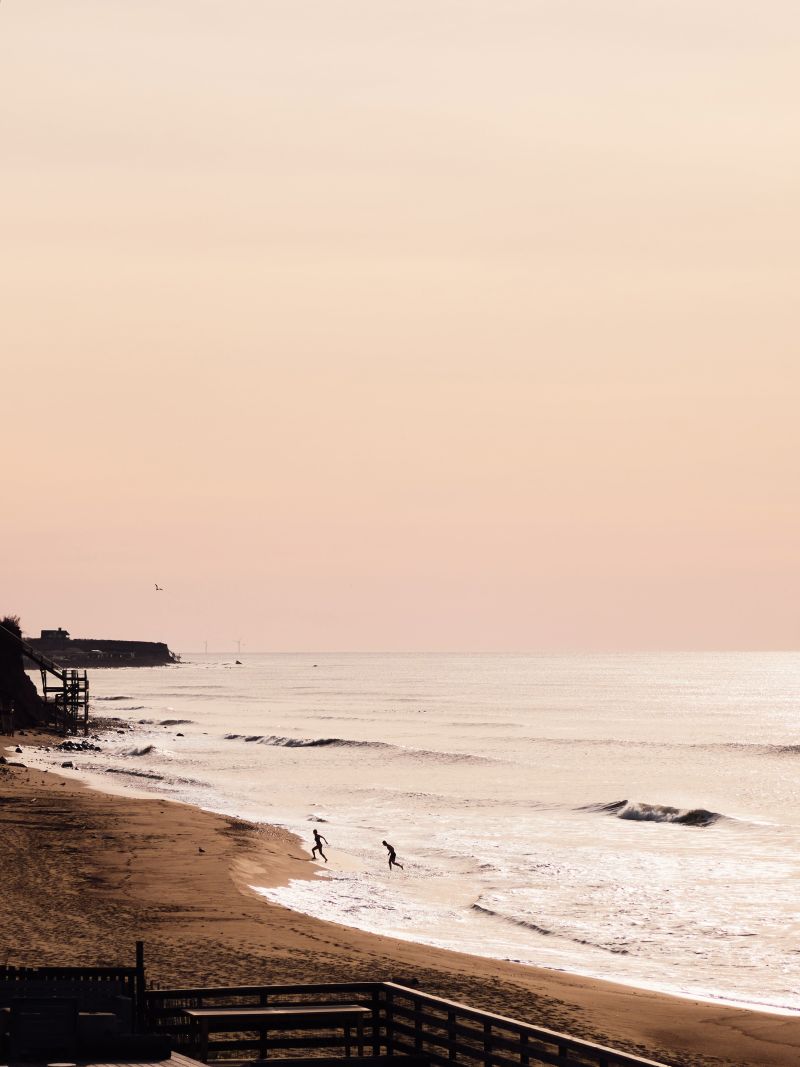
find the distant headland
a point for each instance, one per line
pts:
(100, 651)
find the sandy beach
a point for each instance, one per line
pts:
(86, 874)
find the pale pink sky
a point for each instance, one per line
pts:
(402, 324)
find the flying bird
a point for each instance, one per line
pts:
(159, 588)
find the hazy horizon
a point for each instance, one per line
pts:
(408, 326)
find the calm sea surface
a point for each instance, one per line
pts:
(631, 817)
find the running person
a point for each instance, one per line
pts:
(318, 839)
(392, 856)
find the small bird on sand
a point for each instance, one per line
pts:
(200, 849)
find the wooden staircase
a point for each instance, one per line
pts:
(65, 689)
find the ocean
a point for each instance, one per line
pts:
(630, 817)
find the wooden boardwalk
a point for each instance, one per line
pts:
(400, 1023)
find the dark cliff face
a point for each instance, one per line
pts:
(15, 685)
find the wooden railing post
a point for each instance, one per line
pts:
(417, 1025)
(141, 1021)
(389, 1022)
(451, 1034)
(524, 1058)
(263, 1051)
(487, 1044)
(376, 1021)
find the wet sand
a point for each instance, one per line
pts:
(85, 874)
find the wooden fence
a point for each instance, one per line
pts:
(87, 985)
(446, 1032)
(404, 1022)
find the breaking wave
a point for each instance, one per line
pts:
(305, 742)
(755, 747)
(527, 924)
(145, 750)
(343, 742)
(637, 811)
(135, 774)
(112, 698)
(155, 776)
(175, 722)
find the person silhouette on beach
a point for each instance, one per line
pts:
(392, 856)
(318, 839)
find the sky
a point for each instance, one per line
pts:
(415, 325)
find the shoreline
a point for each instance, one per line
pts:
(644, 986)
(181, 879)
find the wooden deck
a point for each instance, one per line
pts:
(175, 1060)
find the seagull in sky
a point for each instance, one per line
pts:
(159, 588)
